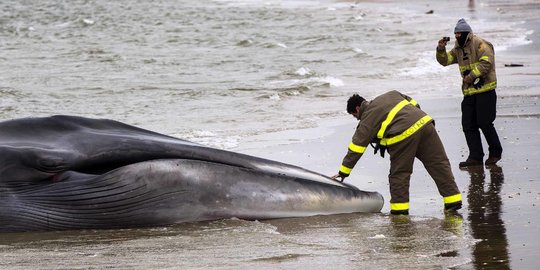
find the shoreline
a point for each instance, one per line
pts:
(512, 187)
(501, 207)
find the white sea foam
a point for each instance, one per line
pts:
(211, 139)
(358, 50)
(308, 82)
(303, 71)
(88, 21)
(426, 64)
(334, 82)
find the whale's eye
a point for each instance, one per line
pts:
(51, 164)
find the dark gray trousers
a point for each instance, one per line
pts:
(478, 113)
(425, 145)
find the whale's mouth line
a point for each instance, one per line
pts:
(102, 168)
(93, 168)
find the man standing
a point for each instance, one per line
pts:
(476, 60)
(394, 121)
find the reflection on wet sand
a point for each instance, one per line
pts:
(471, 5)
(485, 219)
(403, 231)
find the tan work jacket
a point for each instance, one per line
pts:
(387, 119)
(476, 58)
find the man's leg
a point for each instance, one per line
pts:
(432, 154)
(471, 130)
(402, 157)
(486, 107)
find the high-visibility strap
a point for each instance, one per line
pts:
(345, 170)
(357, 148)
(408, 132)
(486, 87)
(473, 67)
(391, 116)
(450, 58)
(475, 70)
(452, 199)
(463, 68)
(399, 206)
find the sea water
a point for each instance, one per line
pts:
(218, 71)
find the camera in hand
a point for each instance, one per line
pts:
(446, 39)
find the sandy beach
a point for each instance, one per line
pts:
(502, 203)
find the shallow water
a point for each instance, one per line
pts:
(339, 241)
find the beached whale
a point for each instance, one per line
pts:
(67, 172)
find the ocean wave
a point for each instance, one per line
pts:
(425, 64)
(309, 82)
(231, 67)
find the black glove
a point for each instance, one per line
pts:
(378, 147)
(478, 83)
(343, 176)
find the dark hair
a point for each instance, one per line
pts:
(354, 100)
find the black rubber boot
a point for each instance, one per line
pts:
(470, 162)
(452, 206)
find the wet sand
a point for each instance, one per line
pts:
(496, 229)
(501, 204)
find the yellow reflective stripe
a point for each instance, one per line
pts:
(473, 67)
(410, 131)
(390, 117)
(450, 58)
(399, 206)
(476, 71)
(486, 87)
(452, 199)
(345, 170)
(466, 67)
(357, 148)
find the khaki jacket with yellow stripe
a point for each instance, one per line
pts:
(387, 119)
(476, 58)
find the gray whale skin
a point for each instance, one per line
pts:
(68, 172)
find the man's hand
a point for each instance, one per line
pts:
(335, 177)
(468, 79)
(442, 44)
